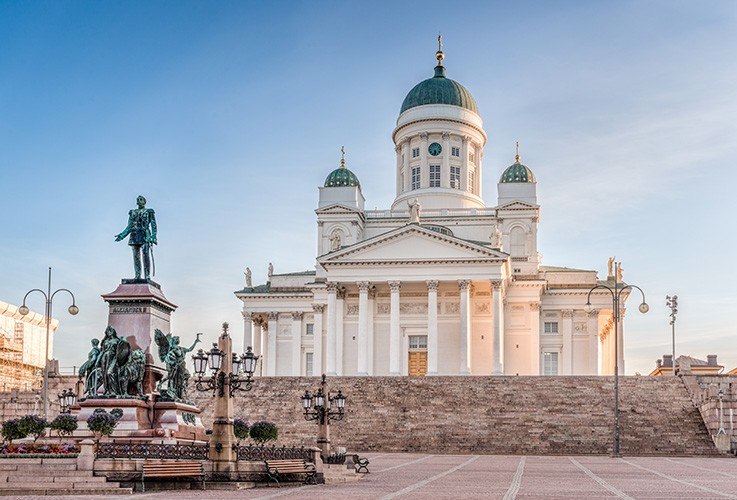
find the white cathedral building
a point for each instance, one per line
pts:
(438, 284)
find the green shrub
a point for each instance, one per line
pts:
(241, 429)
(12, 430)
(102, 423)
(65, 425)
(263, 431)
(34, 425)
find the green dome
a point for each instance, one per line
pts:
(439, 90)
(517, 172)
(342, 177)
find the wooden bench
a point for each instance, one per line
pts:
(277, 468)
(172, 470)
(361, 464)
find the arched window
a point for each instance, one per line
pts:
(517, 239)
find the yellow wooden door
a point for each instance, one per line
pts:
(417, 363)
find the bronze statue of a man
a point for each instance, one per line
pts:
(142, 231)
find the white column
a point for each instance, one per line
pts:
(465, 289)
(263, 346)
(566, 354)
(297, 344)
(592, 329)
(432, 327)
(464, 163)
(317, 364)
(405, 166)
(330, 347)
(424, 171)
(498, 357)
(371, 295)
(271, 353)
(247, 329)
(362, 347)
(395, 364)
(445, 166)
(535, 338)
(400, 186)
(339, 334)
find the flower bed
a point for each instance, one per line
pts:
(34, 451)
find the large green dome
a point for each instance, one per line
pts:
(342, 177)
(439, 90)
(517, 172)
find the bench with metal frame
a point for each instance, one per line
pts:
(361, 464)
(277, 468)
(172, 470)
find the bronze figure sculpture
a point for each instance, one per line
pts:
(142, 230)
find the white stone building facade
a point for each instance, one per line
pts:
(440, 283)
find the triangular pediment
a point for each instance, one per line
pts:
(337, 208)
(412, 243)
(518, 205)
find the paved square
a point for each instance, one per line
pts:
(417, 476)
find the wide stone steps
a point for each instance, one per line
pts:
(52, 477)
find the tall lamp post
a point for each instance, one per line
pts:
(672, 302)
(73, 310)
(616, 292)
(319, 407)
(230, 373)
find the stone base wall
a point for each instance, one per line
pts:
(16, 404)
(486, 415)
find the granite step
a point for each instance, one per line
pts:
(43, 492)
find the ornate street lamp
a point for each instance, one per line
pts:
(616, 293)
(67, 398)
(24, 310)
(320, 408)
(672, 303)
(231, 371)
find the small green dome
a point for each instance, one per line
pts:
(517, 172)
(342, 177)
(439, 90)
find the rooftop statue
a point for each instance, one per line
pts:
(177, 375)
(142, 230)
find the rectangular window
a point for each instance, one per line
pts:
(434, 176)
(308, 364)
(455, 151)
(418, 342)
(309, 329)
(416, 178)
(415, 152)
(455, 177)
(471, 181)
(550, 363)
(551, 327)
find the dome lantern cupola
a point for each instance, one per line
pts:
(517, 183)
(341, 176)
(517, 172)
(439, 89)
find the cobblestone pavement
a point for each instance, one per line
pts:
(416, 476)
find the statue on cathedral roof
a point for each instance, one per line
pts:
(414, 211)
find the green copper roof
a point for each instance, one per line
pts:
(342, 177)
(517, 172)
(439, 90)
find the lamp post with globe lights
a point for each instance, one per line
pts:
(319, 407)
(230, 373)
(616, 292)
(672, 303)
(24, 310)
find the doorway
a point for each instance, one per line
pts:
(417, 356)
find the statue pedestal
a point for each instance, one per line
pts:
(137, 308)
(166, 422)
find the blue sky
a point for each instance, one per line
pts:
(227, 116)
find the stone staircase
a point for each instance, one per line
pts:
(491, 415)
(57, 476)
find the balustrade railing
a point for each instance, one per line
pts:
(151, 450)
(259, 453)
